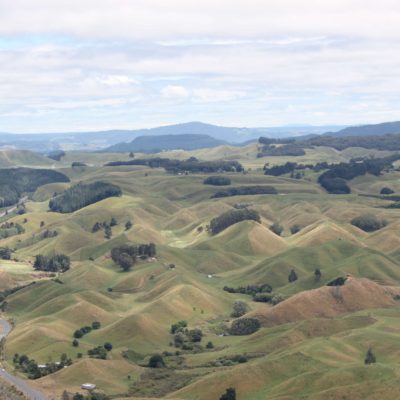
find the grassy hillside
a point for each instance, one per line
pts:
(311, 345)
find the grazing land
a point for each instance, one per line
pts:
(172, 288)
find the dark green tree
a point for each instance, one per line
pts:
(370, 357)
(292, 276)
(230, 394)
(156, 361)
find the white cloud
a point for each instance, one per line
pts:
(216, 95)
(174, 91)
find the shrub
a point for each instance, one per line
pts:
(75, 343)
(96, 325)
(386, 190)
(98, 352)
(209, 345)
(368, 222)
(156, 361)
(244, 326)
(178, 327)
(217, 181)
(239, 309)
(337, 281)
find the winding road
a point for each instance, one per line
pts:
(19, 383)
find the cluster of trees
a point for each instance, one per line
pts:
(245, 190)
(16, 181)
(100, 351)
(28, 366)
(156, 361)
(86, 329)
(56, 263)
(49, 234)
(5, 253)
(250, 290)
(244, 326)
(184, 337)
(107, 227)
(177, 166)
(9, 229)
(278, 170)
(125, 255)
(339, 281)
(368, 222)
(217, 181)
(218, 224)
(56, 155)
(291, 149)
(78, 164)
(276, 228)
(379, 142)
(334, 180)
(81, 195)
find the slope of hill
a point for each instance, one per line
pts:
(155, 144)
(384, 128)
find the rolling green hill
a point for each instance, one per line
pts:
(311, 343)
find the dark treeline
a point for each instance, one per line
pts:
(292, 149)
(381, 142)
(126, 255)
(81, 195)
(218, 224)
(278, 170)
(245, 190)
(16, 181)
(217, 181)
(390, 142)
(176, 166)
(268, 141)
(334, 180)
(249, 289)
(56, 263)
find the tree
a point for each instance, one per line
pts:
(96, 325)
(131, 155)
(156, 361)
(5, 253)
(96, 227)
(294, 229)
(244, 326)
(65, 395)
(276, 228)
(108, 346)
(370, 357)
(128, 225)
(75, 343)
(107, 232)
(292, 276)
(386, 190)
(317, 275)
(230, 394)
(78, 396)
(239, 309)
(195, 335)
(125, 262)
(209, 345)
(113, 222)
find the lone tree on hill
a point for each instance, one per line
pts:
(230, 394)
(128, 225)
(370, 357)
(292, 276)
(317, 274)
(156, 361)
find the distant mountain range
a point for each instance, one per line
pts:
(385, 128)
(157, 143)
(197, 135)
(45, 142)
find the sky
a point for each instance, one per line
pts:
(122, 64)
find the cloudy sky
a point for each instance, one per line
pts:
(102, 64)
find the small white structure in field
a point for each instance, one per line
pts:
(88, 386)
(209, 276)
(41, 366)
